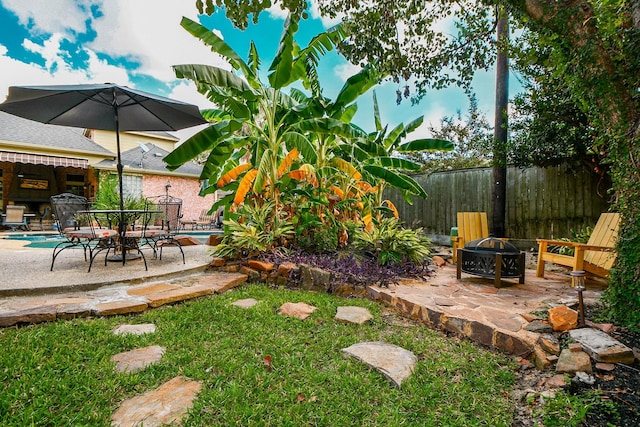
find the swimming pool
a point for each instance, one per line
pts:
(50, 240)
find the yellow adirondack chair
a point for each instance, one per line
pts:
(471, 226)
(596, 256)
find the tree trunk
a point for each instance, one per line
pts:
(499, 187)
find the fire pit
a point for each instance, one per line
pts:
(491, 258)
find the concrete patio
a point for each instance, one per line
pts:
(25, 271)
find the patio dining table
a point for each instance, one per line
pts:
(130, 225)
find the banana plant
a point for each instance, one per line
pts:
(382, 163)
(255, 120)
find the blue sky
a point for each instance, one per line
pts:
(135, 42)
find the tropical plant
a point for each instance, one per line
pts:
(108, 196)
(296, 145)
(256, 121)
(390, 243)
(258, 230)
(298, 151)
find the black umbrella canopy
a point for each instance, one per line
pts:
(101, 106)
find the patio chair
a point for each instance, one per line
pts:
(161, 227)
(471, 226)
(14, 218)
(205, 221)
(596, 256)
(78, 229)
(219, 217)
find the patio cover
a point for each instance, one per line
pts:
(39, 159)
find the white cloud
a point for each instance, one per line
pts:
(18, 73)
(100, 71)
(326, 21)
(51, 16)
(276, 12)
(49, 50)
(346, 70)
(148, 33)
(151, 35)
(186, 91)
(56, 69)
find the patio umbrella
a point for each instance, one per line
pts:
(101, 106)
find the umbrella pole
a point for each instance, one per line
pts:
(122, 225)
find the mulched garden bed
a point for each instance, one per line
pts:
(618, 390)
(621, 386)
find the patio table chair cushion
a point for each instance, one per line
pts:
(89, 233)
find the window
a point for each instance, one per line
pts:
(75, 184)
(132, 186)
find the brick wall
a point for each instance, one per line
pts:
(183, 188)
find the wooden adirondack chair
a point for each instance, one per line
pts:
(596, 256)
(471, 226)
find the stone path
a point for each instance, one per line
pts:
(165, 405)
(507, 319)
(394, 362)
(494, 317)
(138, 359)
(114, 300)
(170, 402)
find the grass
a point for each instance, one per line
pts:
(61, 374)
(566, 410)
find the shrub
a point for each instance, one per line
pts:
(390, 243)
(259, 229)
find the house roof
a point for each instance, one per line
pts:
(60, 138)
(158, 134)
(35, 136)
(137, 159)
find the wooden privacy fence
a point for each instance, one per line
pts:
(541, 202)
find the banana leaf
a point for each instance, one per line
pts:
(427, 144)
(396, 179)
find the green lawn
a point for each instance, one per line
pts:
(60, 374)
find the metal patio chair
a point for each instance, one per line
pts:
(76, 227)
(161, 227)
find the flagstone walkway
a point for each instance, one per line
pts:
(472, 307)
(170, 402)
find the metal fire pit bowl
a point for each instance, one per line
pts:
(491, 258)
